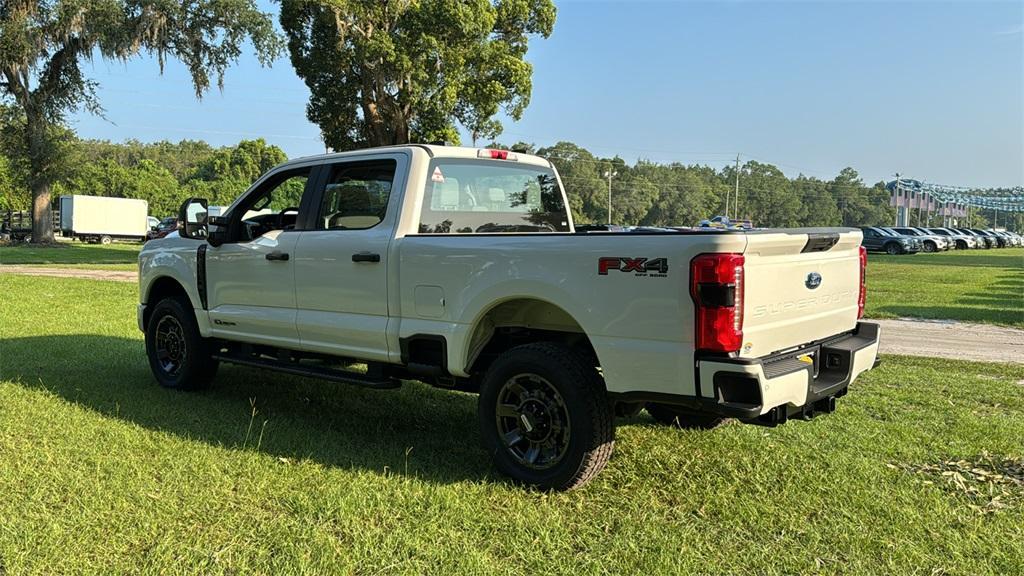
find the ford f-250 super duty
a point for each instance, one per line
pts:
(462, 268)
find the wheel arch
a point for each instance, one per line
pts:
(517, 320)
(161, 287)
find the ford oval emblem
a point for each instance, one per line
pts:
(813, 280)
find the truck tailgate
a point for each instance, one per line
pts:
(799, 287)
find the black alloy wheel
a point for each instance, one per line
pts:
(533, 421)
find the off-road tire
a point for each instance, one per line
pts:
(197, 368)
(680, 417)
(591, 420)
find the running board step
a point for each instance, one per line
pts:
(364, 380)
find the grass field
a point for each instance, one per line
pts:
(74, 255)
(102, 471)
(972, 286)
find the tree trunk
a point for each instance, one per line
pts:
(42, 215)
(39, 178)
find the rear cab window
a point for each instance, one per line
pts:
(467, 196)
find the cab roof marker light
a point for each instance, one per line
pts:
(496, 154)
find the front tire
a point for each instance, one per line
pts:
(892, 249)
(679, 417)
(179, 356)
(545, 416)
(930, 247)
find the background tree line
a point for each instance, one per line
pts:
(161, 173)
(644, 193)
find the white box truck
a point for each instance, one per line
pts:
(102, 219)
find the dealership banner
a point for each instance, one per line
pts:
(952, 200)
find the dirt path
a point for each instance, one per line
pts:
(949, 339)
(115, 275)
(935, 338)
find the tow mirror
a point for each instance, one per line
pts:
(193, 215)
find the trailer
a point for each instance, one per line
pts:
(99, 219)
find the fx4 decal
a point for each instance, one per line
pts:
(656, 267)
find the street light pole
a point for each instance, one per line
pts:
(609, 174)
(898, 198)
(736, 204)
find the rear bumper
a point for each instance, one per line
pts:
(772, 389)
(804, 383)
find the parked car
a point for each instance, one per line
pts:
(960, 240)
(990, 240)
(1017, 239)
(462, 268)
(998, 241)
(153, 222)
(983, 241)
(1005, 239)
(878, 239)
(165, 227)
(943, 240)
(929, 242)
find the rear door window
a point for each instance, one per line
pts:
(356, 195)
(482, 197)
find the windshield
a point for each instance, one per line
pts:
(887, 232)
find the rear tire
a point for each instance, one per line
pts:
(679, 417)
(179, 356)
(105, 240)
(545, 416)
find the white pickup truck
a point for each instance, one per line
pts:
(462, 268)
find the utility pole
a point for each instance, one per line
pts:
(736, 205)
(609, 174)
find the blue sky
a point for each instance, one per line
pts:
(930, 89)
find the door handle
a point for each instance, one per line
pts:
(365, 257)
(277, 255)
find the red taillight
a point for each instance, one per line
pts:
(862, 298)
(716, 285)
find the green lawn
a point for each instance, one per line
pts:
(973, 286)
(102, 471)
(74, 255)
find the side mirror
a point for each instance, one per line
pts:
(192, 217)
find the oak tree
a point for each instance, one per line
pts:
(44, 42)
(386, 72)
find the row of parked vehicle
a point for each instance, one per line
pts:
(913, 239)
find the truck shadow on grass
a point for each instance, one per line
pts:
(416, 430)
